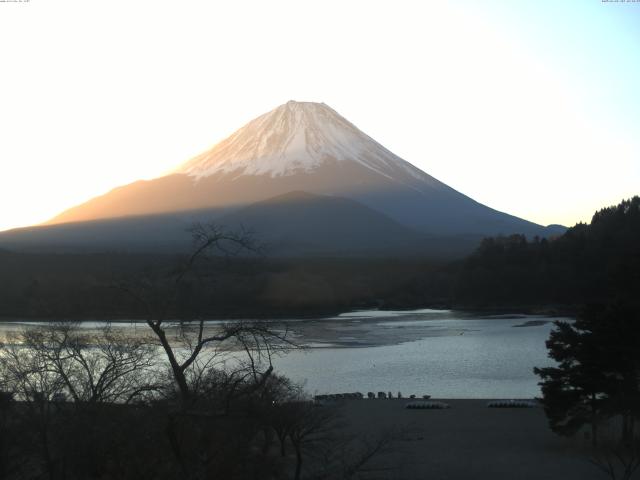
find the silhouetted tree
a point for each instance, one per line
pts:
(598, 262)
(106, 365)
(309, 427)
(219, 369)
(598, 372)
(160, 295)
(323, 448)
(573, 391)
(63, 377)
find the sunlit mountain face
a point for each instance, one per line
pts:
(310, 149)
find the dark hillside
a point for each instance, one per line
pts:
(590, 262)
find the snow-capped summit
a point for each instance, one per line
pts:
(293, 138)
(304, 147)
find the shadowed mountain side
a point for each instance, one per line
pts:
(302, 223)
(439, 210)
(150, 233)
(294, 224)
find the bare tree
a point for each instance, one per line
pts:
(317, 434)
(309, 427)
(47, 366)
(93, 367)
(158, 298)
(23, 376)
(213, 365)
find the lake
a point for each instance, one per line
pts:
(443, 353)
(446, 354)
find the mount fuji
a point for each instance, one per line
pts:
(299, 158)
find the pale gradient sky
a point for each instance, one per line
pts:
(531, 107)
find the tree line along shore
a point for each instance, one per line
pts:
(589, 263)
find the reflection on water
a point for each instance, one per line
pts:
(446, 354)
(443, 353)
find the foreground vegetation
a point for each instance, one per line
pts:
(596, 381)
(199, 403)
(78, 406)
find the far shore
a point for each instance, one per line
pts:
(316, 314)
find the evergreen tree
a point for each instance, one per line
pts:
(595, 262)
(598, 372)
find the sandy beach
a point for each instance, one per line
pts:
(469, 441)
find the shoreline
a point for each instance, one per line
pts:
(548, 311)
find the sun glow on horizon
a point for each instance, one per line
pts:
(532, 109)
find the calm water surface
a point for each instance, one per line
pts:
(443, 353)
(446, 354)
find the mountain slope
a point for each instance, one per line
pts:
(305, 147)
(296, 223)
(146, 233)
